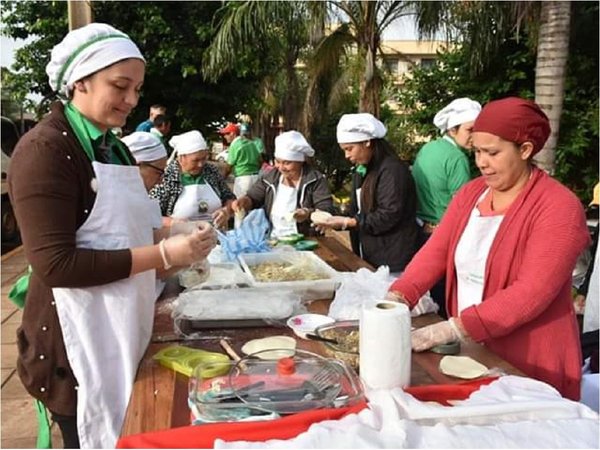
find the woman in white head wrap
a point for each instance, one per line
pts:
(150, 154)
(192, 188)
(92, 237)
(290, 192)
(382, 224)
(441, 168)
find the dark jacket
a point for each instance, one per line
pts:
(387, 234)
(313, 193)
(50, 189)
(169, 189)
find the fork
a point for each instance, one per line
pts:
(324, 378)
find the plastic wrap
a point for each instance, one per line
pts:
(202, 306)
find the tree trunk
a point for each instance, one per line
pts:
(551, 65)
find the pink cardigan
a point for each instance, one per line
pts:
(526, 316)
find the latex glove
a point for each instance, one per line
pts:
(301, 214)
(220, 217)
(436, 334)
(397, 297)
(334, 222)
(186, 249)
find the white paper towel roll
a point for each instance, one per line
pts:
(385, 350)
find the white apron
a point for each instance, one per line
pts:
(242, 183)
(358, 206)
(107, 328)
(284, 204)
(471, 255)
(197, 202)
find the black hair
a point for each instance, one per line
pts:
(161, 120)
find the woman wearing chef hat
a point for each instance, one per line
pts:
(192, 188)
(383, 227)
(92, 237)
(441, 168)
(150, 154)
(290, 192)
(507, 246)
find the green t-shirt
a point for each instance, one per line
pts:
(259, 144)
(244, 156)
(187, 179)
(440, 169)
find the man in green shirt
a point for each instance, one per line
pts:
(244, 159)
(441, 168)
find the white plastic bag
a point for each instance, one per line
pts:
(365, 287)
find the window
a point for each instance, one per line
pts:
(392, 65)
(428, 63)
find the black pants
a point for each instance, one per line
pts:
(438, 291)
(68, 429)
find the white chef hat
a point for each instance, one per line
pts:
(358, 128)
(457, 112)
(292, 146)
(85, 51)
(189, 142)
(145, 147)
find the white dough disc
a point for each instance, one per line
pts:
(320, 216)
(285, 346)
(462, 367)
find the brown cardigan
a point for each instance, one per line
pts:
(50, 189)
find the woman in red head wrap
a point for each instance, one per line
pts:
(507, 246)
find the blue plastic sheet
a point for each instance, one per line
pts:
(250, 237)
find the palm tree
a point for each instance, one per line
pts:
(550, 71)
(361, 26)
(276, 32)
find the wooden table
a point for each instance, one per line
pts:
(159, 397)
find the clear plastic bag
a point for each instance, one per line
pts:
(364, 287)
(199, 271)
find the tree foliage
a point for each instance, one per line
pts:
(172, 35)
(511, 72)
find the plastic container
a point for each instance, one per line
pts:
(346, 333)
(256, 389)
(184, 360)
(322, 288)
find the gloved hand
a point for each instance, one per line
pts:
(185, 249)
(220, 217)
(334, 222)
(397, 297)
(436, 334)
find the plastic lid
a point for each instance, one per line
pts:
(291, 384)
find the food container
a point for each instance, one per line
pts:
(320, 281)
(345, 332)
(256, 389)
(290, 238)
(222, 308)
